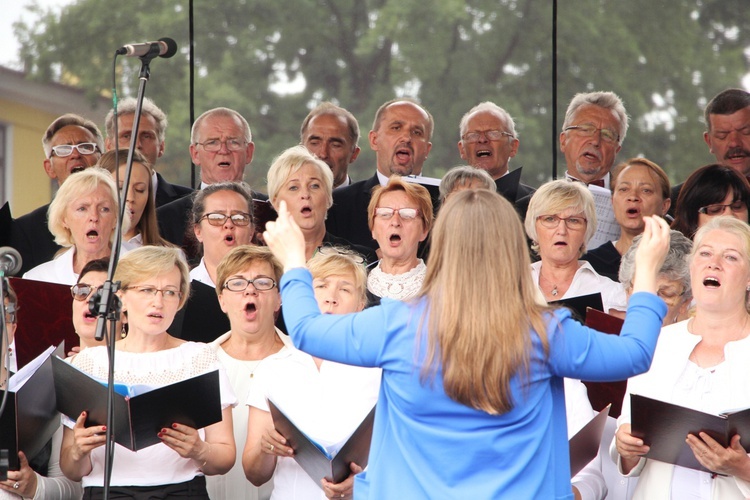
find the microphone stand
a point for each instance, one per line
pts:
(105, 304)
(4, 370)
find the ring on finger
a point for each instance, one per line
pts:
(271, 447)
(16, 485)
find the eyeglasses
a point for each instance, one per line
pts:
(240, 284)
(150, 291)
(214, 145)
(552, 221)
(218, 219)
(330, 250)
(82, 291)
(386, 213)
(713, 210)
(588, 130)
(491, 135)
(84, 148)
(670, 297)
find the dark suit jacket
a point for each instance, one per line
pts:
(166, 192)
(30, 235)
(347, 218)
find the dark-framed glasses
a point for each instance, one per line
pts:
(84, 148)
(214, 145)
(669, 296)
(386, 213)
(491, 135)
(218, 218)
(573, 222)
(588, 130)
(152, 291)
(331, 250)
(240, 284)
(718, 209)
(82, 291)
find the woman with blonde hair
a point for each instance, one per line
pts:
(298, 384)
(154, 285)
(82, 217)
(560, 219)
(471, 400)
(701, 364)
(305, 184)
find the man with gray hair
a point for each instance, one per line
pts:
(152, 128)
(221, 145)
(71, 143)
(488, 142)
(331, 133)
(592, 134)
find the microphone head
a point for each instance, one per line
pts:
(10, 260)
(171, 47)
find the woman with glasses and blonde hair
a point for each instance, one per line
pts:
(154, 285)
(299, 385)
(249, 296)
(305, 183)
(471, 400)
(709, 192)
(560, 219)
(400, 218)
(222, 217)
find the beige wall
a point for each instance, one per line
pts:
(26, 110)
(29, 186)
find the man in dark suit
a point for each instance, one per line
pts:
(727, 134)
(221, 144)
(152, 128)
(489, 141)
(400, 137)
(71, 143)
(331, 133)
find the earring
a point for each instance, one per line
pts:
(123, 331)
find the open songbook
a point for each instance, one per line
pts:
(30, 416)
(330, 462)
(585, 444)
(665, 426)
(195, 402)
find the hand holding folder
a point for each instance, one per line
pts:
(665, 426)
(195, 402)
(315, 459)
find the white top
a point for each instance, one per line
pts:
(675, 379)
(200, 273)
(157, 464)
(326, 404)
(133, 243)
(241, 373)
(587, 281)
(58, 270)
(589, 481)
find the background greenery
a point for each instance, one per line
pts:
(665, 58)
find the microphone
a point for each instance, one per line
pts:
(166, 48)
(10, 261)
